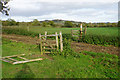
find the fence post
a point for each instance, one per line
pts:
(28, 29)
(61, 43)
(40, 44)
(45, 35)
(57, 41)
(81, 31)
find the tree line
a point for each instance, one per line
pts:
(70, 24)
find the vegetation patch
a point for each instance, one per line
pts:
(66, 64)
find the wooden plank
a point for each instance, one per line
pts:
(51, 45)
(18, 62)
(12, 59)
(22, 58)
(47, 52)
(5, 60)
(50, 48)
(48, 35)
(13, 56)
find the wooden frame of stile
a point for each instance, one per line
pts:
(78, 33)
(44, 43)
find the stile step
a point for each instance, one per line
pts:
(47, 52)
(49, 48)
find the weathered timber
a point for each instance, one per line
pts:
(12, 59)
(57, 41)
(49, 48)
(18, 62)
(13, 56)
(6, 60)
(22, 58)
(61, 42)
(40, 44)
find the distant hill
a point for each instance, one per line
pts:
(60, 21)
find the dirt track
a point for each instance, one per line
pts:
(78, 47)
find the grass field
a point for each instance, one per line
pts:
(110, 31)
(67, 64)
(102, 36)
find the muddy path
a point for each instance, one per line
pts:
(78, 47)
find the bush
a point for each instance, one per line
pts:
(18, 31)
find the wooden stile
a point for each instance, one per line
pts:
(79, 33)
(45, 45)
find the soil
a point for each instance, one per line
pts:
(78, 47)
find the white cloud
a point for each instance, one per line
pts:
(105, 1)
(79, 10)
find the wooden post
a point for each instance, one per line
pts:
(57, 41)
(45, 35)
(28, 29)
(81, 31)
(61, 43)
(40, 44)
(45, 40)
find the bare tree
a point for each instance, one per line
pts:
(3, 8)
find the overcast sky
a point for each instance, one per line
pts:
(77, 10)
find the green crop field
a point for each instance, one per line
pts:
(67, 64)
(102, 36)
(110, 31)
